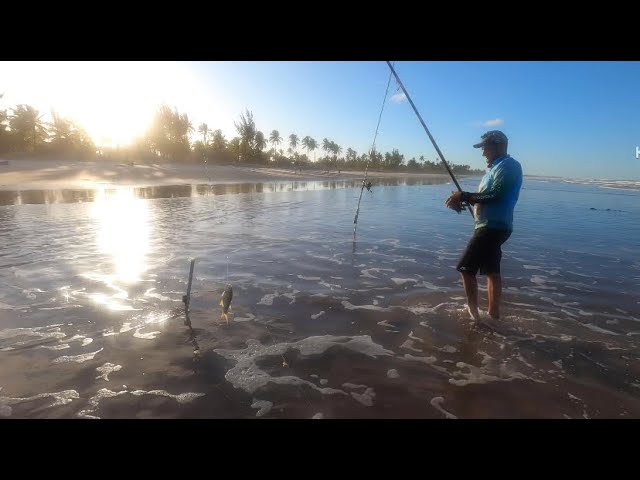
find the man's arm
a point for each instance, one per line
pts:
(501, 184)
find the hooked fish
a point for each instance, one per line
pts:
(225, 301)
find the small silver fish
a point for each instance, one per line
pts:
(225, 301)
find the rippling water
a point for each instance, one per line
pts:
(91, 317)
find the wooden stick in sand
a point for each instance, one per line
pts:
(187, 298)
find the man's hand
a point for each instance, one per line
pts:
(454, 202)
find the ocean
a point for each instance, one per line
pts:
(92, 321)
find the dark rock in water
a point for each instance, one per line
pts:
(608, 210)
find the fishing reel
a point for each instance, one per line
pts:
(464, 206)
(368, 186)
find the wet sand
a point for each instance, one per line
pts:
(395, 360)
(54, 175)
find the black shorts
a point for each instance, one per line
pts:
(483, 252)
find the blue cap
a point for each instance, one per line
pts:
(492, 137)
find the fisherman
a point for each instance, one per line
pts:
(493, 204)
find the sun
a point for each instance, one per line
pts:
(113, 101)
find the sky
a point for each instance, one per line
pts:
(569, 119)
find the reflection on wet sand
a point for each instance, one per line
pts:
(24, 197)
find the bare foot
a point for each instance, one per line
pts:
(473, 313)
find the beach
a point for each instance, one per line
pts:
(25, 174)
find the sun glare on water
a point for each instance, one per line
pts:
(122, 231)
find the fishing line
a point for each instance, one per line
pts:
(429, 134)
(373, 147)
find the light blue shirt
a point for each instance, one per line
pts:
(498, 194)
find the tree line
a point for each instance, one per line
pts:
(169, 139)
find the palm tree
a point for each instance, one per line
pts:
(326, 145)
(234, 146)
(182, 128)
(27, 127)
(59, 131)
(293, 141)
(168, 135)
(260, 142)
(156, 137)
(204, 130)
(80, 139)
(218, 142)
(393, 160)
(67, 137)
(375, 159)
(59, 127)
(4, 134)
(352, 155)
(247, 130)
(275, 140)
(335, 149)
(312, 145)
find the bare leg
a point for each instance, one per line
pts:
(494, 287)
(471, 289)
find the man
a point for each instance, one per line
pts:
(493, 205)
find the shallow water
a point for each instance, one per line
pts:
(91, 317)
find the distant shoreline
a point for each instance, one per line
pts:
(40, 174)
(30, 174)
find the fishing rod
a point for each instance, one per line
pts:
(366, 169)
(429, 134)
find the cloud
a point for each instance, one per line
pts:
(493, 123)
(399, 97)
